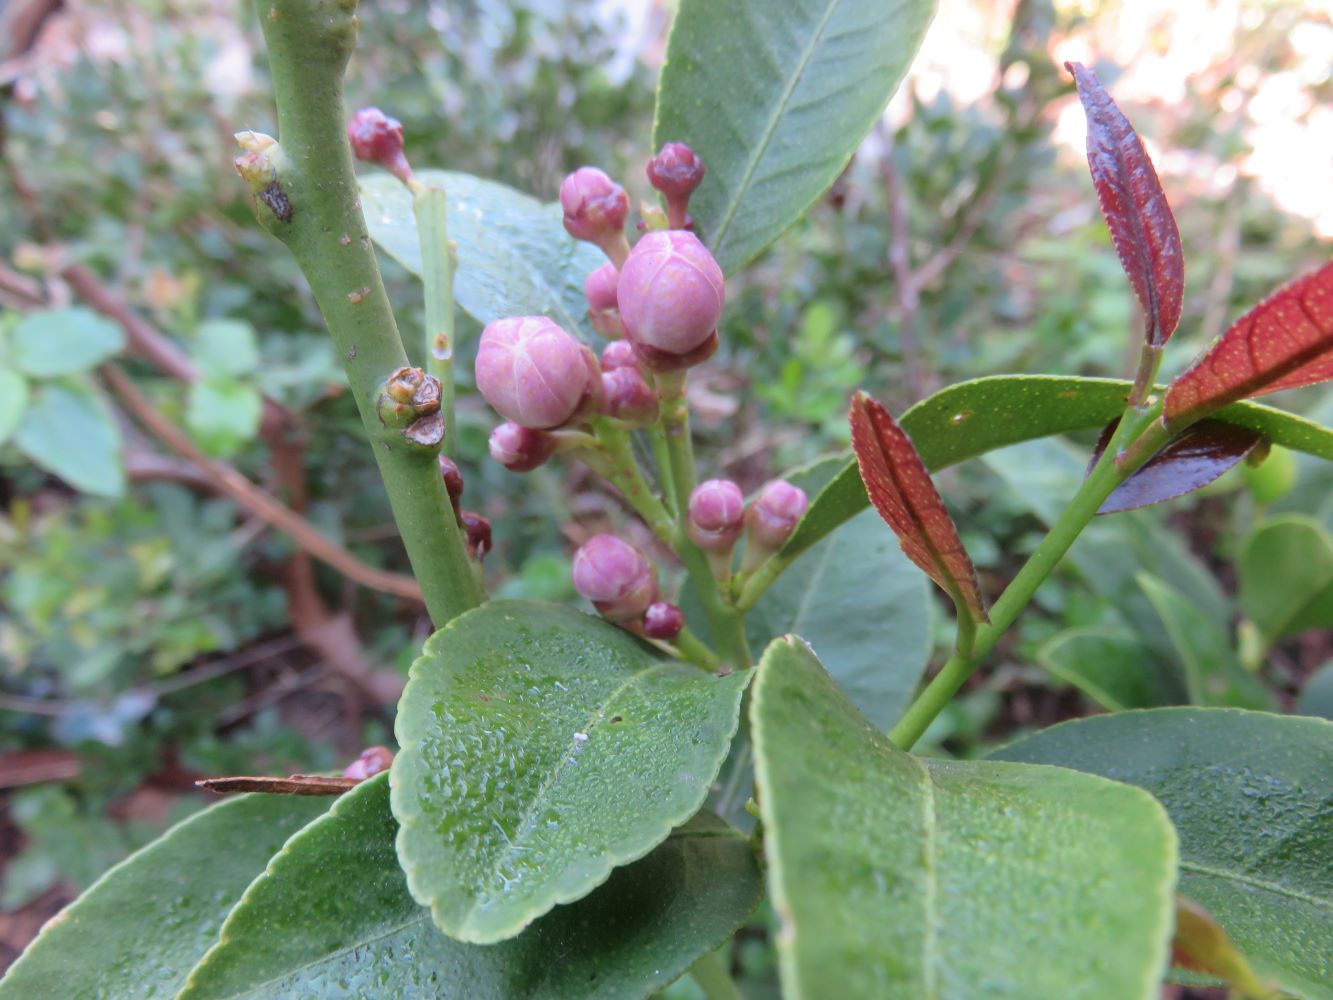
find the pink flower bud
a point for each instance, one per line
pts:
(670, 293)
(595, 207)
(774, 514)
(371, 762)
(377, 138)
(716, 515)
(663, 621)
(600, 288)
(675, 171)
(478, 534)
(629, 398)
(618, 354)
(520, 449)
(615, 576)
(533, 372)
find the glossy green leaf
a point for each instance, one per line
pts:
(1317, 694)
(775, 98)
(1286, 577)
(972, 418)
(222, 413)
(1115, 669)
(225, 347)
(69, 431)
(1251, 796)
(1213, 671)
(139, 930)
(332, 917)
(859, 601)
(63, 342)
(541, 748)
(900, 877)
(514, 256)
(13, 401)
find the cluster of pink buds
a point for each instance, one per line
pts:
(718, 515)
(622, 585)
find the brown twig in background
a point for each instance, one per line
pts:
(904, 280)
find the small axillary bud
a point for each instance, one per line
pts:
(676, 171)
(478, 534)
(258, 166)
(595, 209)
(410, 399)
(663, 621)
(629, 399)
(534, 373)
(616, 577)
(772, 517)
(453, 484)
(670, 294)
(377, 138)
(521, 449)
(603, 310)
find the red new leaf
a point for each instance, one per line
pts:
(1284, 342)
(1142, 226)
(901, 489)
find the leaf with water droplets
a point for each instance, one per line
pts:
(542, 747)
(901, 490)
(1142, 226)
(332, 917)
(1251, 795)
(1285, 342)
(138, 931)
(897, 877)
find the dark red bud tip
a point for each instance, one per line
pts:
(676, 171)
(521, 449)
(663, 621)
(377, 138)
(478, 531)
(615, 576)
(595, 206)
(371, 762)
(453, 481)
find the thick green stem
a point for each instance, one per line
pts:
(1136, 426)
(618, 464)
(691, 648)
(679, 446)
(313, 206)
(713, 978)
(437, 281)
(662, 459)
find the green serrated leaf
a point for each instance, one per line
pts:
(898, 877)
(222, 413)
(775, 98)
(225, 347)
(1286, 577)
(976, 417)
(137, 932)
(63, 342)
(541, 748)
(1115, 669)
(858, 600)
(13, 401)
(514, 256)
(332, 917)
(69, 431)
(1213, 671)
(1251, 795)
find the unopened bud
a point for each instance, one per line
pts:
(670, 294)
(453, 482)
(716, 515)
(521, 449)
(615, 576)
(396, 406)
(663, 621)
(371, 762)
(653, 360)
(595, 209)
(676, 172)
(774, 514)
(533, 372)
(618, 354)
(478, 530)
(603, 312)
(377, 138)
(629, 398)
(403, 384)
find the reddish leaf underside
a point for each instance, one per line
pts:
(1136, 210)
(901, 490)
(1284, 342)
(1188, 462)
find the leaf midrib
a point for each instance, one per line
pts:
(760, 147)
(1280, 890)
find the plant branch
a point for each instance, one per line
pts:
(312, 204)
(437, 282)
(713, 978)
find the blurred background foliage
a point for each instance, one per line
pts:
(154, 628)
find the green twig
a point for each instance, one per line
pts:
(437, 280)
(713, 978)
(312, 204)
(691, 648)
